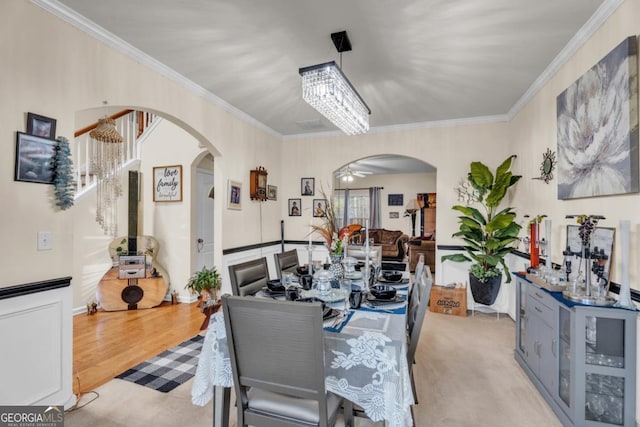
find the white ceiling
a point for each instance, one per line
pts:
(413, 62)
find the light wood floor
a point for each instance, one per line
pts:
(106, 344)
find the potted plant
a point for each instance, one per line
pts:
(206, 283)
(487, 232)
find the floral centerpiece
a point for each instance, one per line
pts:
(328, 230)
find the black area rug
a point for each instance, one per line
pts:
(396, 266)
(169, 369)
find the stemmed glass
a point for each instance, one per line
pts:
(345, 289)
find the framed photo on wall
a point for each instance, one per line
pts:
(395, 200)
(295, 207)
(42, 126)
(34, 158)
(308, 186)
(234, 195)
(319, 208)
(167, 183)
(272, 192)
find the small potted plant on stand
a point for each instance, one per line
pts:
(489, 233)
(205, 283)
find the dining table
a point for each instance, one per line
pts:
(365, 361)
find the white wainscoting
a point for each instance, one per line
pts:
(36, 332)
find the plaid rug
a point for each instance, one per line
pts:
(169, 369)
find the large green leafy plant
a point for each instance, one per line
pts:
(487, 231)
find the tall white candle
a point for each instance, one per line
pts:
(547, 232)
(310, 231)
(367, 271)
(625, 290)
(366, 233)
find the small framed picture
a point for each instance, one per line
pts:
(319, 208)
(34, 158)
(394, 215)
(308, 186)
(234, 195)
(395, 199)
(41, 126)
(295, 207)
(272, 192)
(167, 183)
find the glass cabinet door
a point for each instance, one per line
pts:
(564, 356)
(522, 294)
(604, 346)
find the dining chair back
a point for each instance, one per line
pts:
(424, 284)
(286, 262)
(277, 357)
(249, 277)
(414, 295)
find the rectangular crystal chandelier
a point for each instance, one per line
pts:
(327, 89)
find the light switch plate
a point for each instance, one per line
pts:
(45, 241)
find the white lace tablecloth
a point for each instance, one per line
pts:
(365, 363)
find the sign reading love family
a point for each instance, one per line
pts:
(167, 183)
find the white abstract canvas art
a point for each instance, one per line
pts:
(598, 128)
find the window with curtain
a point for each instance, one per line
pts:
(351, 207)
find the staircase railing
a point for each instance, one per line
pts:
(132, 125)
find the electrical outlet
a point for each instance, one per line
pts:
(45, 241)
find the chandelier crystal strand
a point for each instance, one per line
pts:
(326, 89)
(107, 164)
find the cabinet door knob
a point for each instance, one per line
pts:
(554, 342)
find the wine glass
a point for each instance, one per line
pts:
(345, 289)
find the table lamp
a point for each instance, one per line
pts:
(410, 210)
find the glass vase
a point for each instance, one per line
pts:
(336, 266)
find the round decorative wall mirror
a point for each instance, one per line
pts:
(547, 166)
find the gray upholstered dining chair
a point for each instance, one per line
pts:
(249, 277)
(277, 357)
(286, 262)
(414, 295)
(423, 283)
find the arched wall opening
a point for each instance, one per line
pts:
(170, 143)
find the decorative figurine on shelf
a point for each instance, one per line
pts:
(587, 226)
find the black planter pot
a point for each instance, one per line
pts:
(485, 293)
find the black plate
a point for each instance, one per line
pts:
(271, 293)
(275, 285)
(383, 292)
(397, 276)
(403, 281)
(375, 302)
(327, 312)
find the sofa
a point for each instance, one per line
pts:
(392, 242)
(425, 246)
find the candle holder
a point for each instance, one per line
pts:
(310, 259)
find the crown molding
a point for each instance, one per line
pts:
(580, 38)
(101, 34)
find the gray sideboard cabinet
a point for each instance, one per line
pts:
(582, 359)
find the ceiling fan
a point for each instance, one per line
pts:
(347, 174)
